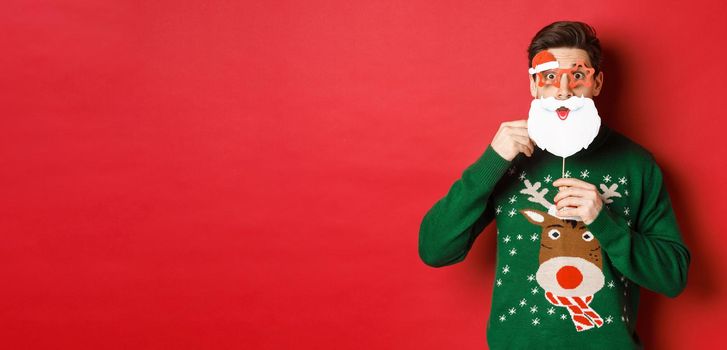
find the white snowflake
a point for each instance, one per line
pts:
(534, 291)
(534, 309)
(499, 282)
(609, 319)
(622, 180)
(513, 252)
(584, 174)
(611, 284)
(506, 239)
(628, 223)
(506, 269)
(626, 192)
(627, 211)
(567, 174)
(512, 311)
(534, 237)
(607, 178)
(563, 317)
(523, 302)
(511, 213)
(548, 179)
(522, 176)
(498, 210)
(513, 199)
(502, 318)
(531, 278)
(536, 321)
(519, 237)
(551, 310)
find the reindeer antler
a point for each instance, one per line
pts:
(535, 195)
(609, 192)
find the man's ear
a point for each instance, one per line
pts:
(598, 84)
(533, 88)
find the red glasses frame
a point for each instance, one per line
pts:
(572, 81)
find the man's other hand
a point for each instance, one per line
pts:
(512, 138)
(577, 198)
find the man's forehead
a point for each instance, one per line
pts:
(568, 57)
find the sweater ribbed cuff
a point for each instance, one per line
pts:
(490, 167)
(608, 229)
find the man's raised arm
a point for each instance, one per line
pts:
(450, 227)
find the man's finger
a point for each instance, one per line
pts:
(571, 202)
(521, 139)
(524, 148)
(570, 212)
(522, 123)
(572, 192)
(571, 182)
(523, 144)
(519, 131)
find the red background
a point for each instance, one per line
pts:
(226, 174)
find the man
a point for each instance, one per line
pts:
(576, 237)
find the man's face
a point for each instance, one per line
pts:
(564, 88)
(563, 118)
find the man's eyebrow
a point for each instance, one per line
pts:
(554, 225)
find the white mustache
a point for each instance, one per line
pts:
(574, 103)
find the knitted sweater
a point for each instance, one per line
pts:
(561, 283)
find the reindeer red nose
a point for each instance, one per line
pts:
(569, 277)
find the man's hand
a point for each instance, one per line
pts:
(512, 138)
(582, 198)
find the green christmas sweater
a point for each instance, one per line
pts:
(559, 283)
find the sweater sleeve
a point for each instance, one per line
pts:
(450, 227)
(654, 255)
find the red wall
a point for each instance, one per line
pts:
(226, 174)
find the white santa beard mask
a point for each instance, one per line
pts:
(565, 137)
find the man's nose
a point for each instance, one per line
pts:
(564, 91)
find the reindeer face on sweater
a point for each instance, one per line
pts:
(570, 261)
(570, 256)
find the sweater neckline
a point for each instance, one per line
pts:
(603, 133)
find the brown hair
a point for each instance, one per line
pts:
(567, 34)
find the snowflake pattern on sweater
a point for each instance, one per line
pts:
(574, 270)
(538, 291)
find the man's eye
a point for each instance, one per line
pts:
(550, 76)
(578, 75)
